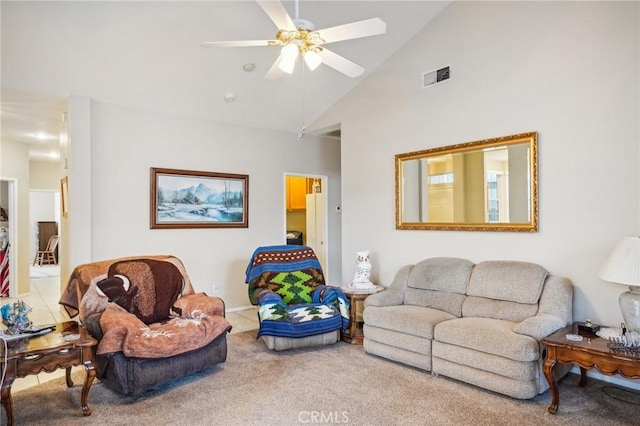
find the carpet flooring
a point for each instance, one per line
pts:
(338, 384)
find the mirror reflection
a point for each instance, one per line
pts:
(488, 185)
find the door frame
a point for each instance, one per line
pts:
(324, 181)
(12, 212)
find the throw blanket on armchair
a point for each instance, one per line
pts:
(293, 272)
(329, 311)
(146, 306)
(288, 285)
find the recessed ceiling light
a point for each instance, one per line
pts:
(230, 97)
(248, 67)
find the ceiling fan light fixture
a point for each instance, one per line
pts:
(289, 54)
(312, 59)
(300, 37)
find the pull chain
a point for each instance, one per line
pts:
(304, 127)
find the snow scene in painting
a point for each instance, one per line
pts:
(188, 199)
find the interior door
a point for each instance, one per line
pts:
(310, 216)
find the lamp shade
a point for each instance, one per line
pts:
(288, 55)
(623, 264)
(623, 267)
(312, 59)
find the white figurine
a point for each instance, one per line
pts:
(362, 278)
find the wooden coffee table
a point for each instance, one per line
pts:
(591, 352)
(48, 352)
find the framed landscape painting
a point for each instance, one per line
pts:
(190, 199)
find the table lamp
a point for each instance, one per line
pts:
(623, 267)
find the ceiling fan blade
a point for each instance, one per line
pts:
(278, 14)
(340, 63)
(274, 72)
(241, 43)
(366, 28)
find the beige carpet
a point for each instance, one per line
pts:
(337, 384)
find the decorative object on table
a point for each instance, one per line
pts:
(588, 327)
(15, 317)
(622, 339)
(190, 199)
(623, 267)
(362, 277)
(609, 332)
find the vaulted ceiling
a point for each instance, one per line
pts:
(148, 55)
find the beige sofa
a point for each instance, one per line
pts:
(480, 324)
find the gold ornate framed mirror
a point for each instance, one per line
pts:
(486, 185)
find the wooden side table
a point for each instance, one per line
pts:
(48, 352)
(354, 334)
(591, 352)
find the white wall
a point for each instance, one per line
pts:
(14, 160)
(44, 175)
(568, 70)
(126, 143)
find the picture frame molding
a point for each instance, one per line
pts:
(155, 223)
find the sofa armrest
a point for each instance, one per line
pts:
(330, 295)
(555, 311)
(191, 305)
(92, 324)
(384, 298)
(394, 295)
(557, 299)
(539, 326)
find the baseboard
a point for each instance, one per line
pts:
(241, 308)
(616, 379)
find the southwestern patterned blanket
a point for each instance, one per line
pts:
(288, 285)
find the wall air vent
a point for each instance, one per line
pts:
(432, 77)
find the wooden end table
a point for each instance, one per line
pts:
(355, 334)
(591, 352)
(48, 352)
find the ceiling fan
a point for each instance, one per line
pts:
(298, 37)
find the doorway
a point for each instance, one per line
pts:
(306, 214)
(44, 223)
(8, 245)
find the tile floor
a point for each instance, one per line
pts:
(43, 299)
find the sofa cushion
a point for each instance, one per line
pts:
(415, 359)
(519, 282)
(415, 320)
(497, 309)
(520, 389)
(441, 273)
(407, 342)
(441, 300)
(496, 364)
(488, 335)
(439, 283)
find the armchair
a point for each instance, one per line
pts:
(150, 324)
(295, 307)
